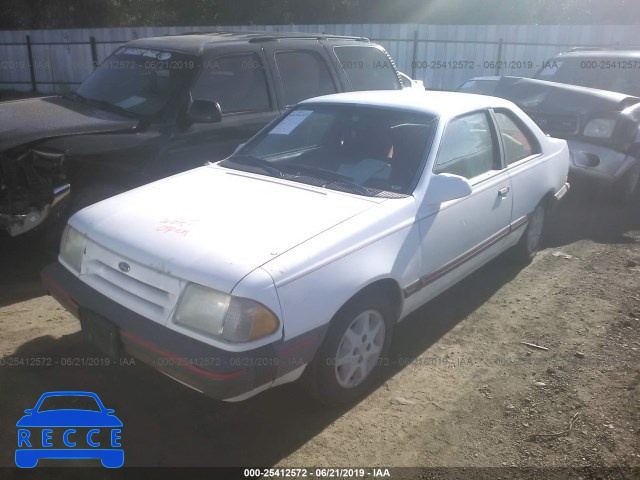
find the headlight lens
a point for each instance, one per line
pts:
(72, 248)
(600, 128)
(217, 314)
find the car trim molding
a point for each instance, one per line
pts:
(456, 262)
(520, 222)
(180, 361)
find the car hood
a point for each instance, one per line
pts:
(30, 120)
(214, 225)
(550, 97)
(69, 418)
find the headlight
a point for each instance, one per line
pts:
(600, 128)
(229, 318)
(72, 248)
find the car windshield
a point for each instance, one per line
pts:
(69, 402)
(612, 74)
(137, 81)
(356, 149)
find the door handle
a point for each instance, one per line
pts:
(503, 191)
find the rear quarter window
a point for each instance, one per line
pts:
(367, 68)
(518, 142)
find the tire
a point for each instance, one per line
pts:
(627, 190)
(531, 239)
(348, 361)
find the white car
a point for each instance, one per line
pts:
(297, 255)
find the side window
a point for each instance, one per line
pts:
(236, 82)
(468, 148)
(367, 68)
(518, 142)
(304, 75)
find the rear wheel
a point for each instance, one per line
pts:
(531, 240)
(347, 363)
(627, 189)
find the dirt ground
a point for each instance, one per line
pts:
(466, 391)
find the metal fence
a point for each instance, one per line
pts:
(443, 56)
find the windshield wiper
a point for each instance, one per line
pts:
(75, 96)
(331, 178)
(320, 172)
(250, 161)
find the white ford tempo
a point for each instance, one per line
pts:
(296, 256)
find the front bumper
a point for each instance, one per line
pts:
(18, 224)
(218, 373)
(597, 163)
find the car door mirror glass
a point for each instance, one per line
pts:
(205, 111)
(445, 187)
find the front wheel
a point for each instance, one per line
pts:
(531, 240)
(356, 345)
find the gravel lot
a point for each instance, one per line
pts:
(465, 391)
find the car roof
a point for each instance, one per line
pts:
(439, 103)
(195, 43)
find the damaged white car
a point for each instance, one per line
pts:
(296, 256)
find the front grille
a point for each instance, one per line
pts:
(557, 124)
(148, 292)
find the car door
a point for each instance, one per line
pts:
(238, 79)
(524, 162)
(460, 235)
(302, 70)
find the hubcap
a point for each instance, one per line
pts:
(359, 349)
(535, 229)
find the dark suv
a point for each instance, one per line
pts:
(159, 106)
(590, 97)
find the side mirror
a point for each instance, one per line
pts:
(408, 82)
(204, 111)
(238, 148)
(29, 411)
(446, 186)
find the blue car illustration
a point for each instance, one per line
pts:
(79, 425)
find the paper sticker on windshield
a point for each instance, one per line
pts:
(132, 101)
(145, 52)
(291, 121)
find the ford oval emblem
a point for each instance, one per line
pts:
(124, 266)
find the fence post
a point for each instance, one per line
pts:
(94, 52)
(498, 59)
(32, 70)
(415, 54)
